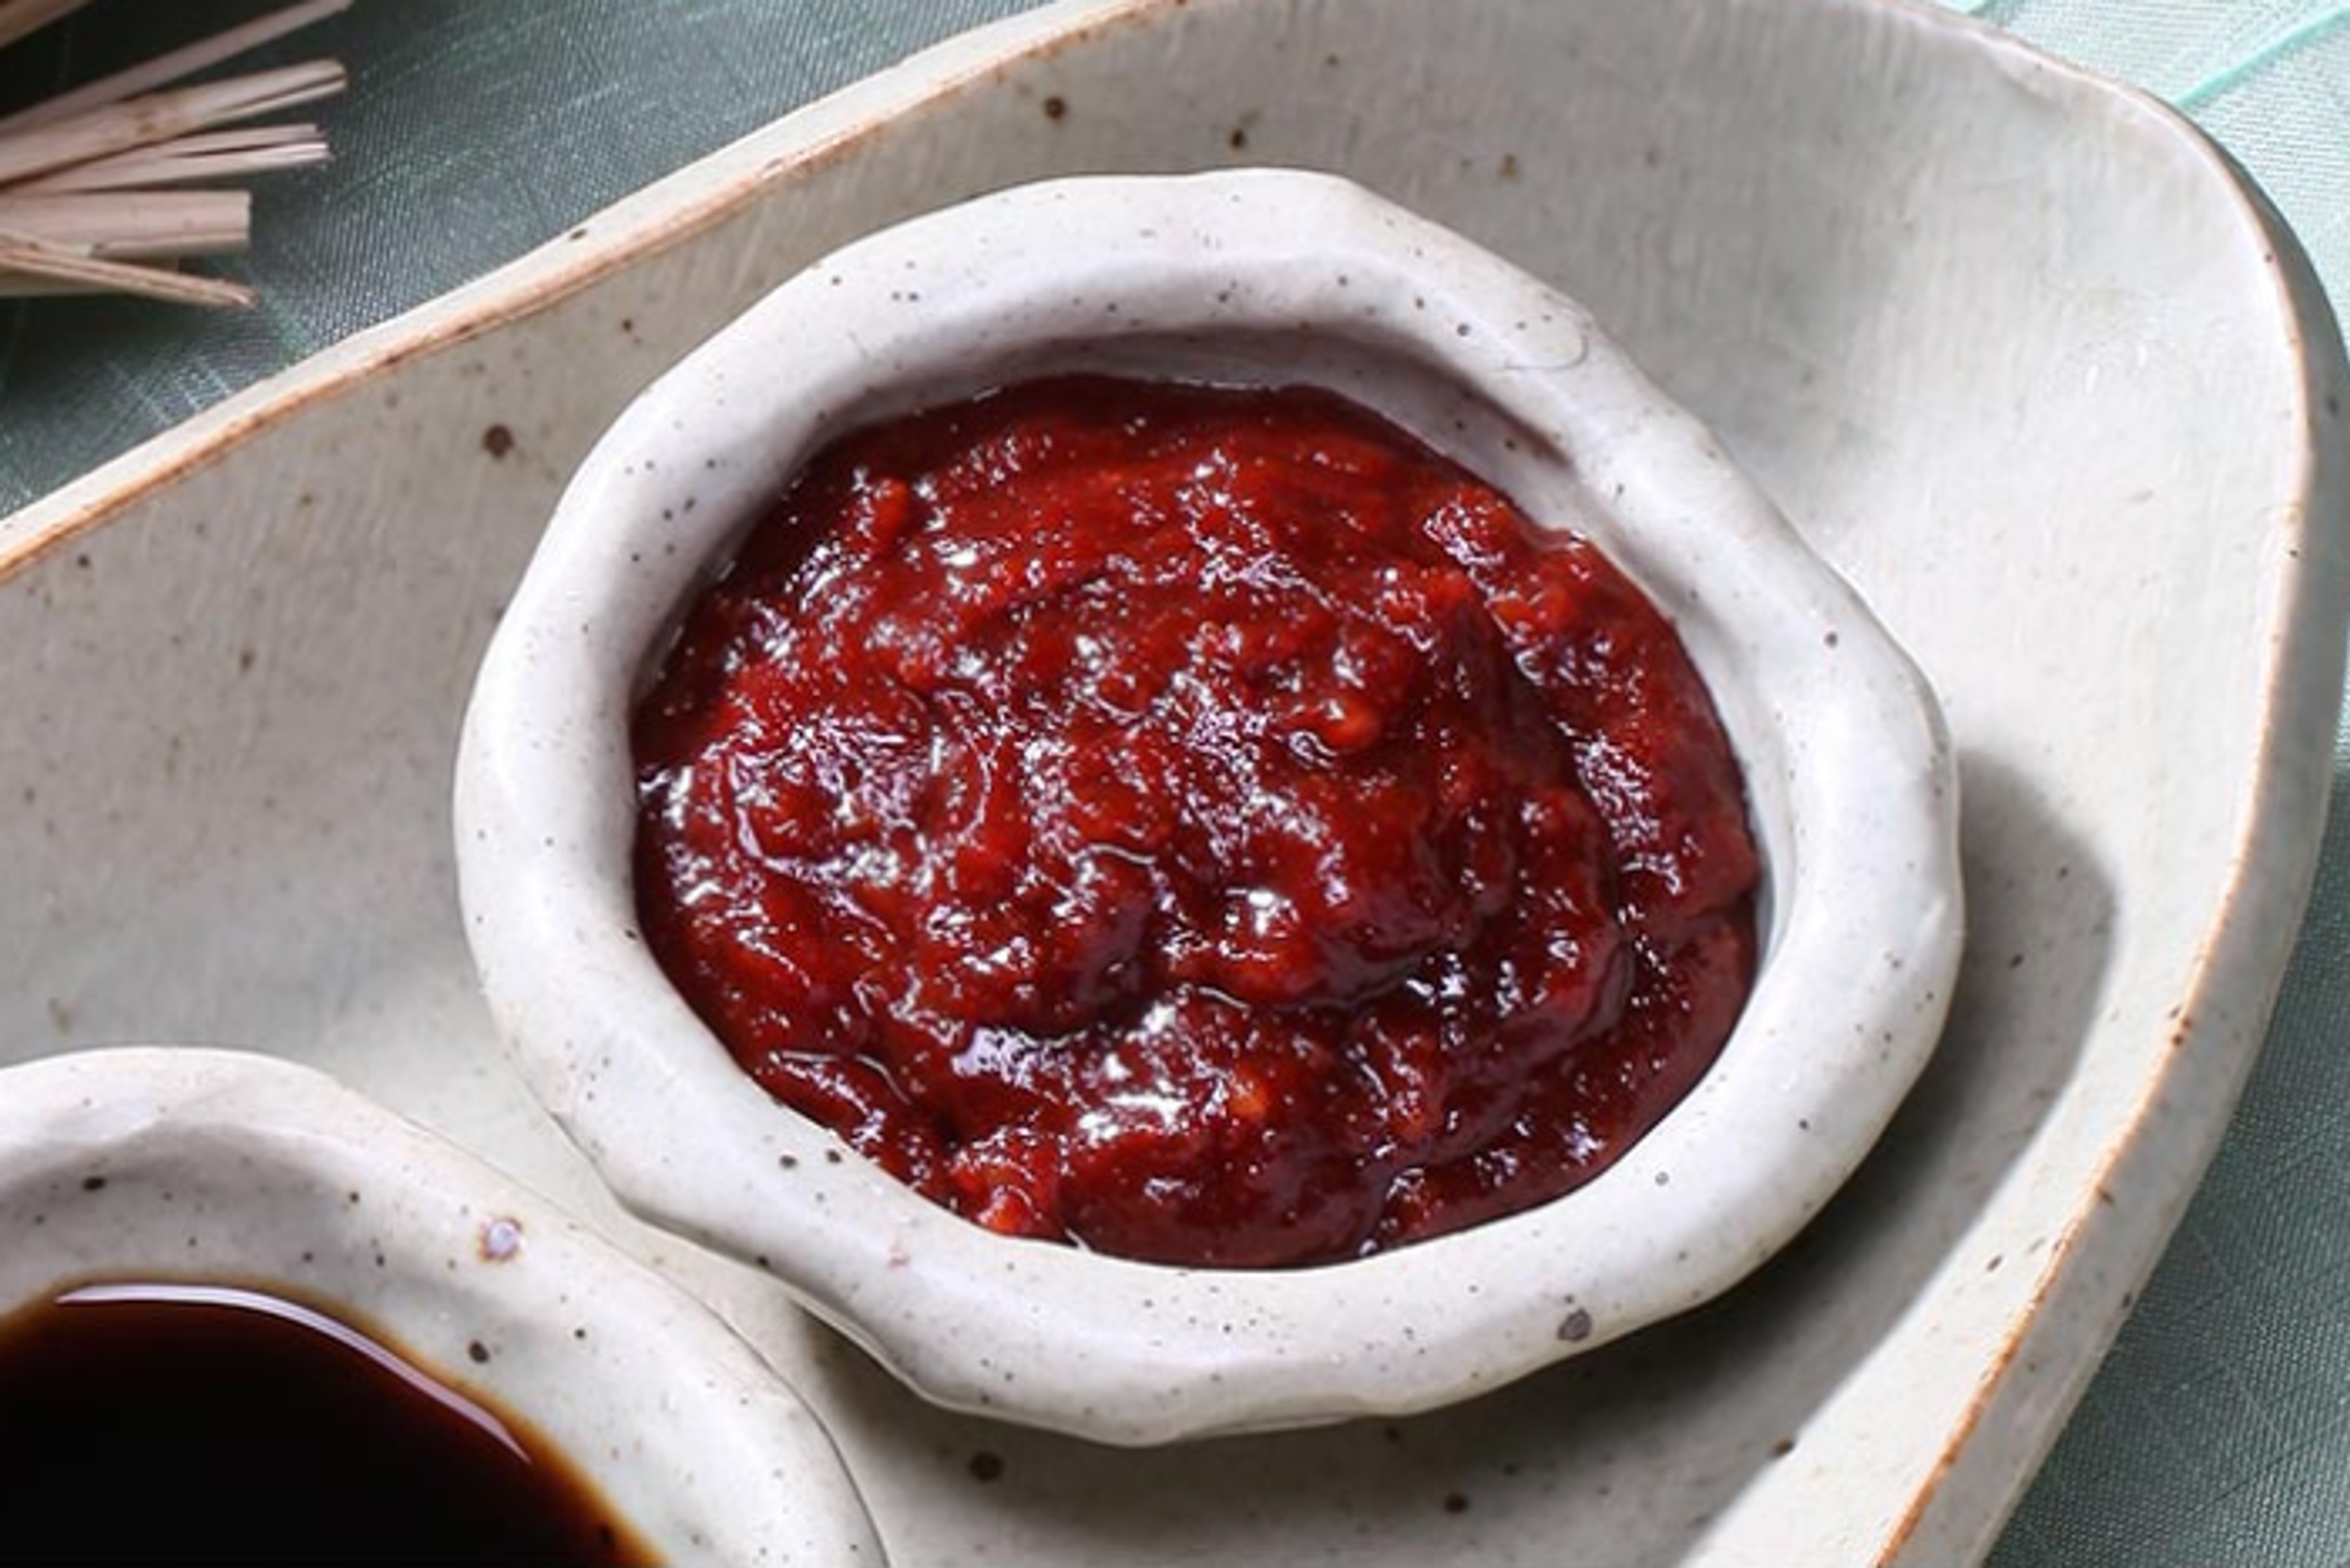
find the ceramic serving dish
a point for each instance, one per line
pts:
(2029, 363)
(1259, 277)
(206, 1167)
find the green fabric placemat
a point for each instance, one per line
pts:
(2219, 1429)
(473, 130)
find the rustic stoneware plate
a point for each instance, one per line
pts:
(1847, 772)
(2019, 352)
(153, 1167)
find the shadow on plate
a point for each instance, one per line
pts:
(1612, 1426)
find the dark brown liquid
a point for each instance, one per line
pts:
(195, 1423)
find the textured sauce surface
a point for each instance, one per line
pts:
(1200, 824)
(174, 1423)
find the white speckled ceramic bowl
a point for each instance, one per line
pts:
(157, 1166)
(1257, 276)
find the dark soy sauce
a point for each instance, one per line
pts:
(174, 1423)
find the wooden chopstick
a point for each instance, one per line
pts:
(56, 264)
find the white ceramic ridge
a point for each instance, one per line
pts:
(177, 1165)
(1260, 276)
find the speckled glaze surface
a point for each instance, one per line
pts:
(212, 1168)
(2019, 352)
(1251, 276)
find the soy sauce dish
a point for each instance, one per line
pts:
(247, 1315)
(1191, 807)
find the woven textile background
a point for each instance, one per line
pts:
(473, 130)
(2219, 1429)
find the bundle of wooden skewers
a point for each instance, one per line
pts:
(110, 187)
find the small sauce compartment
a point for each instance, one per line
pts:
(248, 1315)
(1260, 278)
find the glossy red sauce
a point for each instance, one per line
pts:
(1203, 824)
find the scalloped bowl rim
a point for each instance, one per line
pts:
(1257, 274)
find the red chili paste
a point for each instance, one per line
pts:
(1200, 824)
